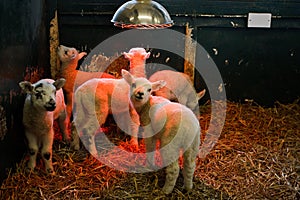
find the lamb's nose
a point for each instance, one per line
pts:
(52, 102)
(140, 93)
(51, 105)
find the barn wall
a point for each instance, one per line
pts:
(23, 55)
(255, 63)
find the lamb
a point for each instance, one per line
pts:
(172, 124)
(69, 58)
(179, 88)
(44, 103)
(97, 98)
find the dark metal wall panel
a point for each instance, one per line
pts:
(287, 8)
(21, 36)
(85, 38)
(259, 64)
(23, 49)
(263, 64)
(89, 6)
(208, 13)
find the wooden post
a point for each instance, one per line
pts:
(54, 42)
(189, 53)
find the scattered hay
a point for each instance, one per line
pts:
(256, 157)
(3, 125)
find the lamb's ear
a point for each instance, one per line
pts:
(201, 94)
(81, 54)
(127, 76)
(158, 84)
(26, 86)
(128, 55)
(59, 83)
(147, 55)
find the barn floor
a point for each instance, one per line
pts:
(256, 157)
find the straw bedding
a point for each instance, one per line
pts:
(256, 157)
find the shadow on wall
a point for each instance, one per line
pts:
(24, 52)
(12, 140)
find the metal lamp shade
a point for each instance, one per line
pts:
(139, 14)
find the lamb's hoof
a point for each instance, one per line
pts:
(50, 171)
(67, 141)
(134, 144)
(167, 190)
(75, 147)
(135, 148)
(29, 170)
(187, 189)
(94, 155)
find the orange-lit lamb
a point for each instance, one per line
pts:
(172, 124)
(179, 88)
(97, 98)
(69, 58)
(43, 104)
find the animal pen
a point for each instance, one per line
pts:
(245, 54)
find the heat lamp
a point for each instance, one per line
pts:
(142, 14)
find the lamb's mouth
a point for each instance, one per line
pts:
(50, 108)
(138, 98)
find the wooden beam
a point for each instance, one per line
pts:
(189, 53)
(54, 42)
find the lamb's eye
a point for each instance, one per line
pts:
(149, 90)
(66, 52)
(133, 85)
(39, 95)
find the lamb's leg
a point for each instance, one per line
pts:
(93, 122)
(33, 149)
(47, 142)
(69, 107)
(88, 135)
(172, 172)
(189, 163)
(75, 142)
(63, 125)
(169, 151)
(90, 142)
(134, 138)
(129, 124)
(189, 166)
(78, 121)
(150, 144)
(134, 126)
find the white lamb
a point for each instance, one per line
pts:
(97, 98)
(172, 124)
(43, 104)
(179, 88)
(69, 58)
